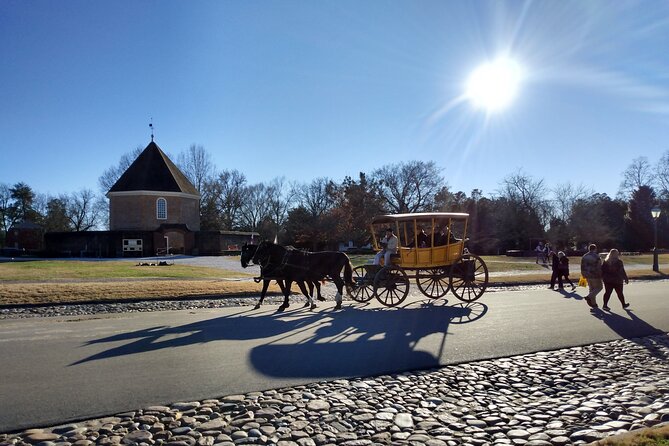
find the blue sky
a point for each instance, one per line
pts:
(307, 89)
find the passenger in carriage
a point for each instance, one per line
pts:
(445, 237)
(389, 243)
(423, 240)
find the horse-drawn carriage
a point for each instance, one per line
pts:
(431, 249)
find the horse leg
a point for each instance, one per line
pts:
(310, 303)
(317, 284)
(265, 284)
(286, 293)
(340, 287)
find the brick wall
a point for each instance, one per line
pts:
(128, 212)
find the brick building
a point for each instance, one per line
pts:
(153, 210)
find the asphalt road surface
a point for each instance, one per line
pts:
(59, 369)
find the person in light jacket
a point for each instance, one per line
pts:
(613, 275)
(591, 269)
(390, 244)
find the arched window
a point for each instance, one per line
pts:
(161, 209)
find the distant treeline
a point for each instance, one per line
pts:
(324, 212)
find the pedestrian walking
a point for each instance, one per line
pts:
(613, 275)
(555, 268)
(591, 269)
(563, 270)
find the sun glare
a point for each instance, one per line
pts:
(493, 85)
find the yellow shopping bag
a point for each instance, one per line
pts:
(582, 281)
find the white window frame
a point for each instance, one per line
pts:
(161, 201)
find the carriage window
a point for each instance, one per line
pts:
(161, 209)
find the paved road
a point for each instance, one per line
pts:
(60, 369)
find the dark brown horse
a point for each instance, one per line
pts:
(295, 266)
(247, 255)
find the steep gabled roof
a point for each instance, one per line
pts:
(153, 171)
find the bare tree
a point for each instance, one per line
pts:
(196, 164)
(280, 196)
(8, 210)
(637, 174)
(565, 195)
(662, 175)
(522, 210)
(83, 210)
(410, 186)
(255, 207)
(316, 197)
(224, 197)
(111, 175)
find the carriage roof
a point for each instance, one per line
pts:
(419, 216)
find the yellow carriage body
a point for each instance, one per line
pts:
(411, 255)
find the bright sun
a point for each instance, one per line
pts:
(494, 85)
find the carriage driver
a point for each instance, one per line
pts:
(389, 243)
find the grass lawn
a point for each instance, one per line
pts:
(46, 270)
(658, 436)
(72, 281)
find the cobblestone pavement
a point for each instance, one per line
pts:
(569, 396)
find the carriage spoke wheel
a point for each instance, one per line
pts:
(434, 283)
(364, 285)
(391, 286)
(469, 277)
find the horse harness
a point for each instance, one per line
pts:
(285, 262)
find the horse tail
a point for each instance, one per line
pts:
(348, 275)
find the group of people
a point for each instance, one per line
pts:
(608, 275)
(560, 267)
(543, 251)
(390, 243)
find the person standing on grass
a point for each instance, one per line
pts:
(613, 274)
(591, 269)
(547, 250)
(540, 252)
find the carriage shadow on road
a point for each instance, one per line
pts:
(356, 341)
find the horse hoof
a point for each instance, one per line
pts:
(313, 306)
(322, 299)
(280, 309)
(306, 305)
(337, 307)
(256, 307)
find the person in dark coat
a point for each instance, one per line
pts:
(613, 276)
(563, 269)
(555, 267)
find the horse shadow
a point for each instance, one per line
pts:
(242, 325)
(357, 341)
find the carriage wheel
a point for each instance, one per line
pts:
(391, 285)
(364, 285)
(469, 277)
(434, 283)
